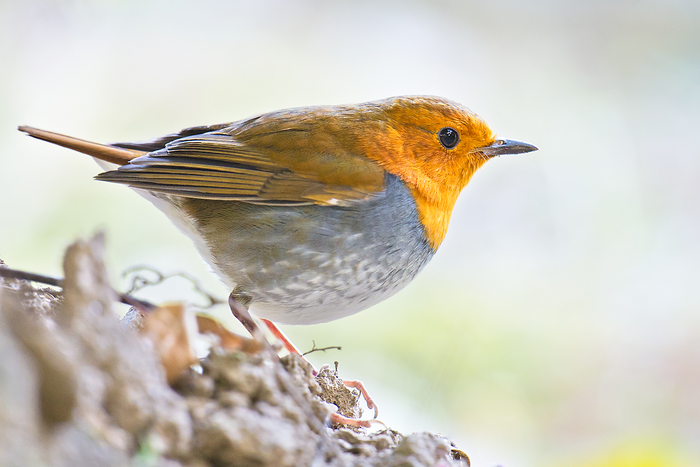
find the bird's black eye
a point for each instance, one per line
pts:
(448, 137)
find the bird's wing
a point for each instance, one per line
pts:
(275, 160)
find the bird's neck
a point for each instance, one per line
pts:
(435, 200)
(434, 215)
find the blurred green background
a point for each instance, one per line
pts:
(559, 323)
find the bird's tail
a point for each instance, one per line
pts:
(103, 152)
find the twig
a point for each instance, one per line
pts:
(322, 349)
(30, 276)
(127, 299)
(139, 282)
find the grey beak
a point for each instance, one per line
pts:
(502, 147)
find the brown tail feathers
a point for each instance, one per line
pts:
(103, 152)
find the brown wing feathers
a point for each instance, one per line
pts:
(208, 162)
(215, 167)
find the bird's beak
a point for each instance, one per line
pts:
(501, 147)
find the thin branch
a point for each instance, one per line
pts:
(30, 276)
(53, 281)
(322, 349)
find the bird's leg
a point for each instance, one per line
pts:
(239, 302)
(289, 345)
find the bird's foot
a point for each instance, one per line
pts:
(363, 391)
(368, 400)
(354, 422)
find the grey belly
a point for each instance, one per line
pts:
(312, 264)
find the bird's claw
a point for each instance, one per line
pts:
(368, 400)
(341, 420)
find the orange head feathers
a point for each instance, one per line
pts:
(432, 145)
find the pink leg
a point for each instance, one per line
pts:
(277, 332)
(337, 418)
(365, 394)
(239, 308)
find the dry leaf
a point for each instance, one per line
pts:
(169, 327)
(227, 339)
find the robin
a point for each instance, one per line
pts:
(315, 213)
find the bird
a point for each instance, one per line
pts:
(311, 214)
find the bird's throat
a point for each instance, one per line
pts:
(436, 200)
(434, 214)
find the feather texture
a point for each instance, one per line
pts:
(250, 161)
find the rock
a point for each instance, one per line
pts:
(77, 387)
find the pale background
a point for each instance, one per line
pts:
(558, 325)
